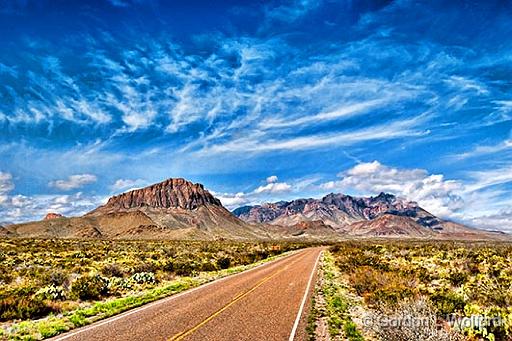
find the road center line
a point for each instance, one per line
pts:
(170, 298)
(182, 335)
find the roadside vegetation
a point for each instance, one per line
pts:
(418, 290)
(330, 314)
(51, 286)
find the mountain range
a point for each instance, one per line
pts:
(382, 215)
(179, 209)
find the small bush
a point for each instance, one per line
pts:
(6, 276)
(89, 287)
(144, 267)
(52, 293)
(208, 266)
(224, 262)
(411, 320)
(184, 268)
(112, 270)
(458, 278)
(380, 287)
(168, 266)
(23, 308)
(447, 302)
(143, 278)
(56, 278)
(117, 285)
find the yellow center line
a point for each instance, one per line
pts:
(182, 335)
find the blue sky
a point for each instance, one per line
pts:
(267, 101)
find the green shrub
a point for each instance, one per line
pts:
(447, 302)
(56, 278)
(184, 268)
(168, 266)
(112, 270)
(208, 266)
(6, 275)
(52, 293)
(23, 308)
(144, 267)
(143, 278)
(457, 278)
(89, 287)
(224, 262)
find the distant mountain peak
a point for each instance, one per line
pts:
(385, 197)
(337, 210)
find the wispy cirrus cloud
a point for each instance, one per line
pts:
(260, 142)
(484, 150)
(271, 189)
(291, 88)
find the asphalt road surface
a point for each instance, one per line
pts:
(269, 302)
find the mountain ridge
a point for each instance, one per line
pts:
(351, 215)
(179, 209)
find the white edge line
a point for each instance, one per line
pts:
(164, 300)
(303, 303)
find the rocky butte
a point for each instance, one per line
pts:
(169, 194)
(52, 215)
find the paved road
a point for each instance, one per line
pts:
(265, 303)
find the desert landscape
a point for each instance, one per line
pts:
(381, 257)
(279, 170)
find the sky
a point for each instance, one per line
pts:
(259, 101)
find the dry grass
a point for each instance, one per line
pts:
(42, 277)
(439, 281)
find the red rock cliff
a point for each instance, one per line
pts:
(51, 216)
(171, 193)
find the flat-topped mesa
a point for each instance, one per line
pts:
(171, 193)
(51, 216)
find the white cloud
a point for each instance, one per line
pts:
(434, 193)
(273, 187)
(345, 111)
(21, 208)
(484, 150)
(291, 12)
(466, 84)
(501, 220)
(128, 184)
(491, 177)
(232, 201)
(6, 186)
(271, 179)
(118, 3)
(74, 182)
(261, 193)
(259, 142)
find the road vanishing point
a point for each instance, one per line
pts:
(268, 302)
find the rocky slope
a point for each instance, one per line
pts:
(172, 209)
(382, 215)
(169, 194)
(336, 210)
(389, 225)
